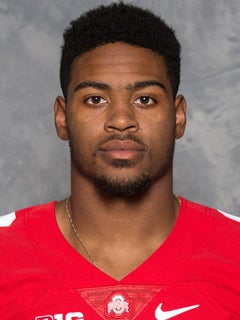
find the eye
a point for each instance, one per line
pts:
(95, 100)
(144, 100)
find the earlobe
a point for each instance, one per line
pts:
(180, 107)
(60, 118)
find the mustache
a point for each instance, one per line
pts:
(127, 136)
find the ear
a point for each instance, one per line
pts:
(60, 118)
(180, 107)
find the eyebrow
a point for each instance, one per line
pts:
(146, 83)
(92, 84)
(105, 86)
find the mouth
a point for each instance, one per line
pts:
(121, 149)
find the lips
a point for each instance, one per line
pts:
(121, 149)
(123, 145)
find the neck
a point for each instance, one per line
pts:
(90, 209)
(113, 228)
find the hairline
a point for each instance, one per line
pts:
(117, 41)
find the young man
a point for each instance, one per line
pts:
(122, 245)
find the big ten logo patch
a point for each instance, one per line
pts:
(118, 305)
(60, 316)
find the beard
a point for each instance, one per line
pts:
(129, 188)
(133, 187)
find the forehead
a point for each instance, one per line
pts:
(119, 63)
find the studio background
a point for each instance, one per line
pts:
(34, 163)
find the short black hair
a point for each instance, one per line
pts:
(120, 22)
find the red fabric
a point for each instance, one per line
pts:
(197, 268)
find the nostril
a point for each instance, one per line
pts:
(121, 118)
(131, 125)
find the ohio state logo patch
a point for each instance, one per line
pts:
(118, 305)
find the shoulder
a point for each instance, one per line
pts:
(21, 232)
(19, 228)
(214, 223)
(213, 236)
(208, 212)
(15, 221)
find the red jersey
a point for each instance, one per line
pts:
(194, 274)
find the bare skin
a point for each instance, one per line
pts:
(120, 233)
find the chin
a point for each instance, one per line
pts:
(130, 188)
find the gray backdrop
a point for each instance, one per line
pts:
(34, 164)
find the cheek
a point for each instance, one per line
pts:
(83, 136)
(158, 121)
(161, 139)
(86, 122)
(160, 132)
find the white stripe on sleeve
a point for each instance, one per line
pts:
(7, 219)
(230, 216)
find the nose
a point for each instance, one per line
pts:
(121, 117)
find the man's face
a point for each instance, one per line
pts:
(121, 118)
